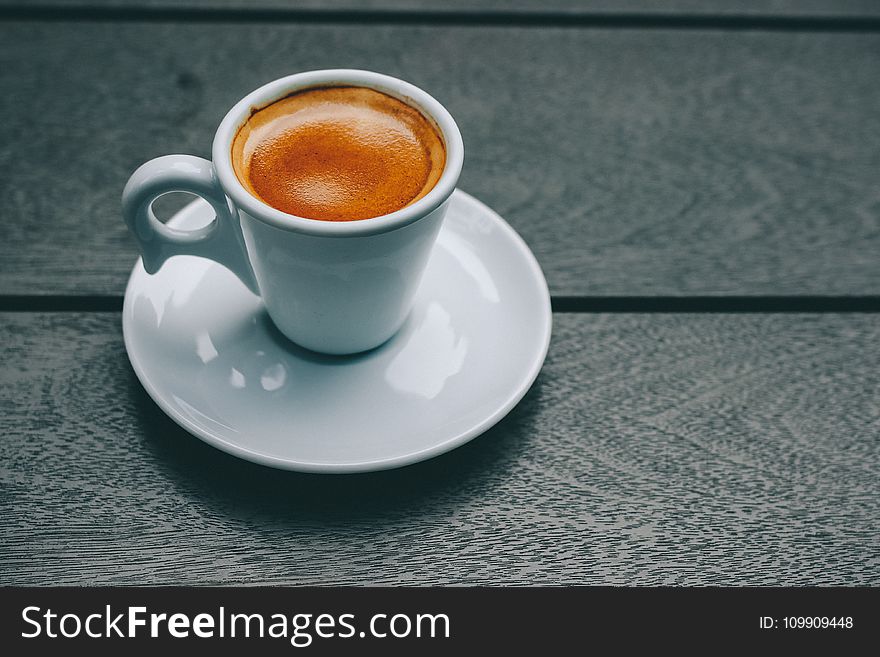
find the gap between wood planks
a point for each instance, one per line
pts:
(463, 18)
(561, 304)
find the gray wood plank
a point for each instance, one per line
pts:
(574, 7)
(653, 449)
(633, 162)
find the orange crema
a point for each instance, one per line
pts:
(338, 154)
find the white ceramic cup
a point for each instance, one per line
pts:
(332, 287)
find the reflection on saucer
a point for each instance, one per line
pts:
(464, 252)
(273, 377)
(431, 355)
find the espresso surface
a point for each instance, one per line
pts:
(338, 154)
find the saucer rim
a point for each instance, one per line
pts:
(402, 460)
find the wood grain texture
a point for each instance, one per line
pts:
(574, 7)
(633, 162)
(653, 449)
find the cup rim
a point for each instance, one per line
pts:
(277, 89)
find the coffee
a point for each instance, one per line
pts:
(338, 154)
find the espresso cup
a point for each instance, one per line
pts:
(331, 287)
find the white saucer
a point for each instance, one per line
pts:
(207, 353)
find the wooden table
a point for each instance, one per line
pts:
(701, 184)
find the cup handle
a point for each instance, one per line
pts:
(221, 240)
